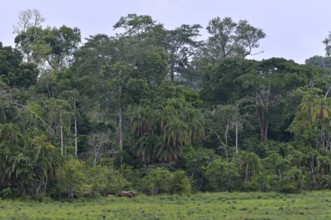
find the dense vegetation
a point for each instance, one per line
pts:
(158, 111)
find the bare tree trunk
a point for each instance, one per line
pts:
(49, 92)
(95, 156)
(76, 135)
(226, 141)
(76, 144)
(120, 120)
(61, 133)
(236, 137)
(172, 68)
(260, 120)
(263, 123)
(266, 128)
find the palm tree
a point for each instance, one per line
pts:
(10, 141)
(249, 164)
(175, 134)
(315, 113)
(161, 130)
(144, 120)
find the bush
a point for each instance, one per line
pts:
(117, 183)
(222, 176)
(157, 181)
(6, 193)
(194, 162)
(292, 181)
(104, 180)
(160, 180)
(180, 183)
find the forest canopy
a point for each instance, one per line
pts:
(159, 110)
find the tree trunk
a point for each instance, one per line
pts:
(76, 135)
(266, 128)
(95, 156)
(120, 120)
(226, 141)
(263, 123)
(236, 137)
(76, 141)
(246, 171)
(172, 68)
(61, 133)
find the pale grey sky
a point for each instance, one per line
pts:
(294, 28)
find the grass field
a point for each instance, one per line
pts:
(306, 205)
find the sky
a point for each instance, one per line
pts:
(295, 29)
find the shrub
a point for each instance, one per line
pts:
(292, 181)
(222, 176)
(6, 193)
(160, 180)
(157, 181)
(180, 183)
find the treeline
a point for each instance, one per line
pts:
(158, 111)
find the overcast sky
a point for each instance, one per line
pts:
(294, 28)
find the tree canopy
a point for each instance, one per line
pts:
(158, 110)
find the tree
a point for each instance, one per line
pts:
(181, 46)
(311, 123)
(135, 24)
(143, 127)
(231, 39)
(249, 164)
(222, 120)
(320, 62)
(50, 47)
(28, 19)
(10, 145)
(164, 127)
(127, 65)
(220, 84)
(29, 160)
(98, 142)
(144, 34)
(13, 71)
(73, 98)
(270, 83)
(327, 42)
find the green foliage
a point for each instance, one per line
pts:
(73, 178)
(180, 182)
(157, 111)
(222, 175)
(159, 180)
(13, 71)
(292, 181)
(163, 129)
(6, 193)
(50, 46)
(231, 39)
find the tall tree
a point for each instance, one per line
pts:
(49, 47)
(327, 43)
(181, 46)
(13, 71)
(28, 19)
(167, 125)
(224, 120)
(231, 39)
(273, 80)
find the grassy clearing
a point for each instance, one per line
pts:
(307, 205)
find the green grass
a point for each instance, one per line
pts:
(306, 205)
